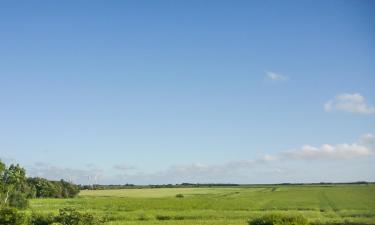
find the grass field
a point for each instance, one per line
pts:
(222, 206)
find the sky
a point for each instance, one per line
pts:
(157, 92)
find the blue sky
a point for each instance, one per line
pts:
(189, 91)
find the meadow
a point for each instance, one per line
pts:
(321, 204)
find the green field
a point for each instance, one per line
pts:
(220, 206)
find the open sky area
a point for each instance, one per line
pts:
(153, 92)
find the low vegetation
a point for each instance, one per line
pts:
(179, 195)
(66, 216)
(16, 190)
(280, 219)
(326, 204)
(37, 201)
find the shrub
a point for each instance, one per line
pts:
(11, 216)
(179, 196)
(89, 219)
(163, 217)
(279, 219)
(179, 217)
(41, 219)
(143, 217)
(70, 216)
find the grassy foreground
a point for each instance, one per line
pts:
(222, 206)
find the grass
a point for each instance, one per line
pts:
(222, 206)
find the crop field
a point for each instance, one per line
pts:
(327, 204)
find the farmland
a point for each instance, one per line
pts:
(321, 204)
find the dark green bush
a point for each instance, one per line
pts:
(70, 216)
(279, 219)
(345, 222)
(143, 217)
(179, 217)
(163, 217)
(179, 196)
(11, 216)
(41, 219)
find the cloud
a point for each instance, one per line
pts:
(340, 151)
(275, 76)
(363, 147)
(353, 103)
(368, 140)
(267, 164)
(260, 169)
(83, 176)
(7, 160)
(123, 168)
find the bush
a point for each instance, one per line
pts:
(279, 219)
(11, 216)
(179, 196)
(163, 217)
(70, 216)
(143, 217)
(41, 219)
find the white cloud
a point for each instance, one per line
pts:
(259, 169)
(328, 152)
(83, 176)
(275, 76)
(368, 140)
(364, 147)
(353, 103)
(124, 169)
(7, 160)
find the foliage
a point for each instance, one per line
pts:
(18, 199)
(279, 219)
(16, 189)
(12, 186)
(52, 189)
(66, 216)
(70, 216)
(179, 195)
(41, 219)
(163, 217)
(11, 216)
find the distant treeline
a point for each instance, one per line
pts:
(16, 188)
(43, 188)
(208, 185)
(133, 186)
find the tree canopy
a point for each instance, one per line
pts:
(16, 188)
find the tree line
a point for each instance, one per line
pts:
(16, 188)
(134, 186)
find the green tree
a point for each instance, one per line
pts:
(2, 168)
(13, 185)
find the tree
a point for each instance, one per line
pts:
(2, 168)
(16, 189)
(13, 185)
